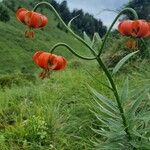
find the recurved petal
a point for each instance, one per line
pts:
(20, 14)
(33, 19)
(43, 60)
(36, 55)
(44, 21)
(125, 27)
(140, 28)
(61, 63)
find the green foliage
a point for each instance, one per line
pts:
(10, 4)
(142, 7)
(87, 39)
(96, 42)
(111, 128)
(54, 113)
(122, 61)
(69, 23)
(34, 118)
(16, 51)
(4, 15)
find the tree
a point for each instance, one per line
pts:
(142, 7)
(4, 16)
(85, 22)
(10, 4)
(55, 5)
(64, 12)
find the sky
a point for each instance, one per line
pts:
(96, 8)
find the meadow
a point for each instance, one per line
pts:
(58, 113)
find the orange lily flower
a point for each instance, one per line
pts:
(35, 20)
(134, 28)
(32, 20)
(48, 62)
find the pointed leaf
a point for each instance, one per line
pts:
(135, 105)
(97, 41)
(122, 61)
(109, 134)
(106, 111)
(125, 90)
(145, 117)
(109, 103)
(87, 38)
(145, 130)
(138, 134)
(100, 118)
(69, 23)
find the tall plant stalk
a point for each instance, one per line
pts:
(96, 55)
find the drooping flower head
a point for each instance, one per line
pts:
(134, 28)
(32, 20)
(35, 20)
(131, 44)
(48, 62)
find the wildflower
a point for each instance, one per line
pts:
(48, 62)
(134, 28)
(32, 20)
(131, 44)
(35, 20)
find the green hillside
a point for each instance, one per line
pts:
(16, 51)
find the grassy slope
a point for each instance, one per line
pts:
(16, 51)
(53, 113)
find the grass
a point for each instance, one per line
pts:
(53, 113)
(62, 106)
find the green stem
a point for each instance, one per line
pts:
(71, 50)
(63, 23)
(115, 20)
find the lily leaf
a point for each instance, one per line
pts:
(69, 23)
(108, 102)
(136, 104)
(97, 41)
(122, 61)
(105, 110)
(87, 38)
(125, 91)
